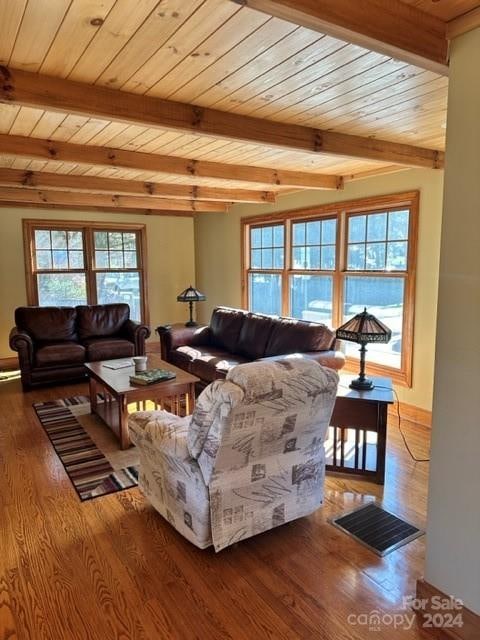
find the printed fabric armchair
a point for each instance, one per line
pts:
(250, 458)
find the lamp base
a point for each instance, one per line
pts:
(191, 323)
(361, 384)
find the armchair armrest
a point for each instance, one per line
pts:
(160, 432)
(21, 342)
(137, 333)
(178, 335)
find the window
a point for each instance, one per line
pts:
(69, 264)
(327, 264)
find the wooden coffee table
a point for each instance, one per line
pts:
(115, 386)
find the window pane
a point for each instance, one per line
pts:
(298, 233)
(101, 241)
(328, 258)
(101, 259)
(129, 241)
(120, 287)
(375, 257)
(116, 260)
(256, 259)
(278, 236)
(61, 289)
(130, 258)
(313, 257)
(313, 232)
(398, 225)
(60, 259)
(265, 293)
(397, 256)
(278, 258)
(356, 257)
(75, 259)
(267, 237)
(75, 240)
(115, 240)
(44, 260)
(59, 239)
(377, 226)
(311, 298)
(356, 228)
(383, 297)
(267, 259)
(329, 231)
(298, 258)
(42, 239)
(256, 237)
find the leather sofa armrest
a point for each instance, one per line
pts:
(178, 335)
(21, 342)
(137, 333)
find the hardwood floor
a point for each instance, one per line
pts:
(113, 568)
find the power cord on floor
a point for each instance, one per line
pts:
(407, 446)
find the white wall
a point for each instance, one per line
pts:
(453, 535)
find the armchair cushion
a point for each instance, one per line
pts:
(47, 323)
(55, 353)
(101, 320)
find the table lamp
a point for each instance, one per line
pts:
(363, 328)
(191, 295)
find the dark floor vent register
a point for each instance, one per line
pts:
(379, 530)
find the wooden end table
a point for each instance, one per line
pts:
(115, 386)
(362, 412)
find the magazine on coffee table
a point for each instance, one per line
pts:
(151, 376)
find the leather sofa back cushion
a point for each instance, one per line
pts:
(47, 323)
(225, 327)
(254, 334)
(290, 336)
(101, 320)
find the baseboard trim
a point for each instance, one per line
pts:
(152, 347)
(412, 413)
(471, 621)
(9, 363)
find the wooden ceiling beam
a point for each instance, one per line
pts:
(65, 182)
(65, 198)
(12, 204)
(170, 165)
(393, 28)
(56, 94)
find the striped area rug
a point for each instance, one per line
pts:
(89, 470)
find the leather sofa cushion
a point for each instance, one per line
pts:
(254, 334)
(291, 336)
(225, 327)
(101, 320)
(210, 363)
(108, 349)
(48, 355)
(47, 323)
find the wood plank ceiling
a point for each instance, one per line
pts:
(214, 54)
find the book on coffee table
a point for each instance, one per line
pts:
(151, 376)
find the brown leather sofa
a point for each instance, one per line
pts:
(54, 342)
(235, 336)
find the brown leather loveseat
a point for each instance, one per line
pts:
(54, 342)
(235, 336)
